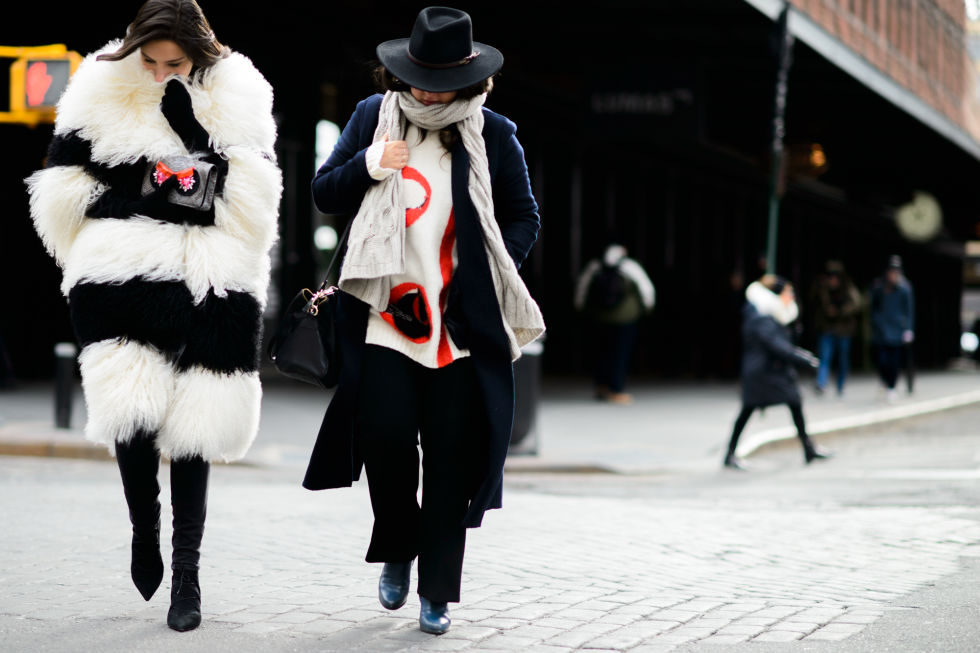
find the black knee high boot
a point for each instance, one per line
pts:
(139, 463)
(189, 495)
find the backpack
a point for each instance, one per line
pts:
(608, 288)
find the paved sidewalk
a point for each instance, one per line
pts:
(811, 557)
(671, 427)
(671, 554)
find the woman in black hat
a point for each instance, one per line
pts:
(769, 359)
(434, 311)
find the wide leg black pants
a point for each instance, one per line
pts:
(400, 405)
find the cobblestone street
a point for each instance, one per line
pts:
(785, 553)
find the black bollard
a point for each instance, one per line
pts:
(64, 360)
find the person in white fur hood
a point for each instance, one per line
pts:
(159, 200)
(769, 359)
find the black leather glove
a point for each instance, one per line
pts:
(113, 205)
(179, 112)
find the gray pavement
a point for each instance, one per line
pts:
(874, 550)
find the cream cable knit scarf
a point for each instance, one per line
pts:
(376, 244)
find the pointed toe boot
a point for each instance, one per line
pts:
(139, 463)
(146, 565)
(394, 583)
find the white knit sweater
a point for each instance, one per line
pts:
(430, 255)
(376, 243)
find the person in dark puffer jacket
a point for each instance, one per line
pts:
(768, 361)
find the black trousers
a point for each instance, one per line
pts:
(796, 410)
(400, 405)
(139, 462)
(889, 359)
(614, 344)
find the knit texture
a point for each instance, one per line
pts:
(376, 244)
(430, 260)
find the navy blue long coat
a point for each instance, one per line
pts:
(769, 361)
(472, 315)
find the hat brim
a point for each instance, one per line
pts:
(394, 56)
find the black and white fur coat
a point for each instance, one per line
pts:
(167, 309)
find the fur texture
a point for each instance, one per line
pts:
(168, 313)
(768, 303)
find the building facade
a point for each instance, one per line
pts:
(649, 122)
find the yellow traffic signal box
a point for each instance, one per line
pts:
(38, 77)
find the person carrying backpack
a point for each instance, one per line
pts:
(614, 292)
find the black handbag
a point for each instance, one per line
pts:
(304, 346)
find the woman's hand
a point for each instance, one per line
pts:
(395, 156)
(179, 111)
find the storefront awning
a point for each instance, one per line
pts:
(829, 47)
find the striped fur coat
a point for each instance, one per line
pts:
(166, 303)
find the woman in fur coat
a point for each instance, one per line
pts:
(769, 360)
(165, 298)
(434, 310)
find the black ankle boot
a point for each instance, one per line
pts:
(731, 462)
(394, 583)
(146, 566)
(812, 452)
(185, 600)
(816, 454)
(433, 617)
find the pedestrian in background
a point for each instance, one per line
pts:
(769, 361)
(836, 307)
(614, 292)
(433, 310)
(892, 325)
(166, 299)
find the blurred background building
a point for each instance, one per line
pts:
(649, 120)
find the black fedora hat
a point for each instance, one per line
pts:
(441, 54)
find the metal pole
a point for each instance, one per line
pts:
(64, 356)
(784, 54)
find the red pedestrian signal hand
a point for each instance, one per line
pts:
(38, 76)
(37, 83)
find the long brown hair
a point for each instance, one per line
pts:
(449, 136)
(180, 21)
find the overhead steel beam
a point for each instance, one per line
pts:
(808, 31)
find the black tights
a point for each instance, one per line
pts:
(139, 462)
(795, 409)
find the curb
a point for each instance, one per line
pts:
(752, 443)
(48, 441)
